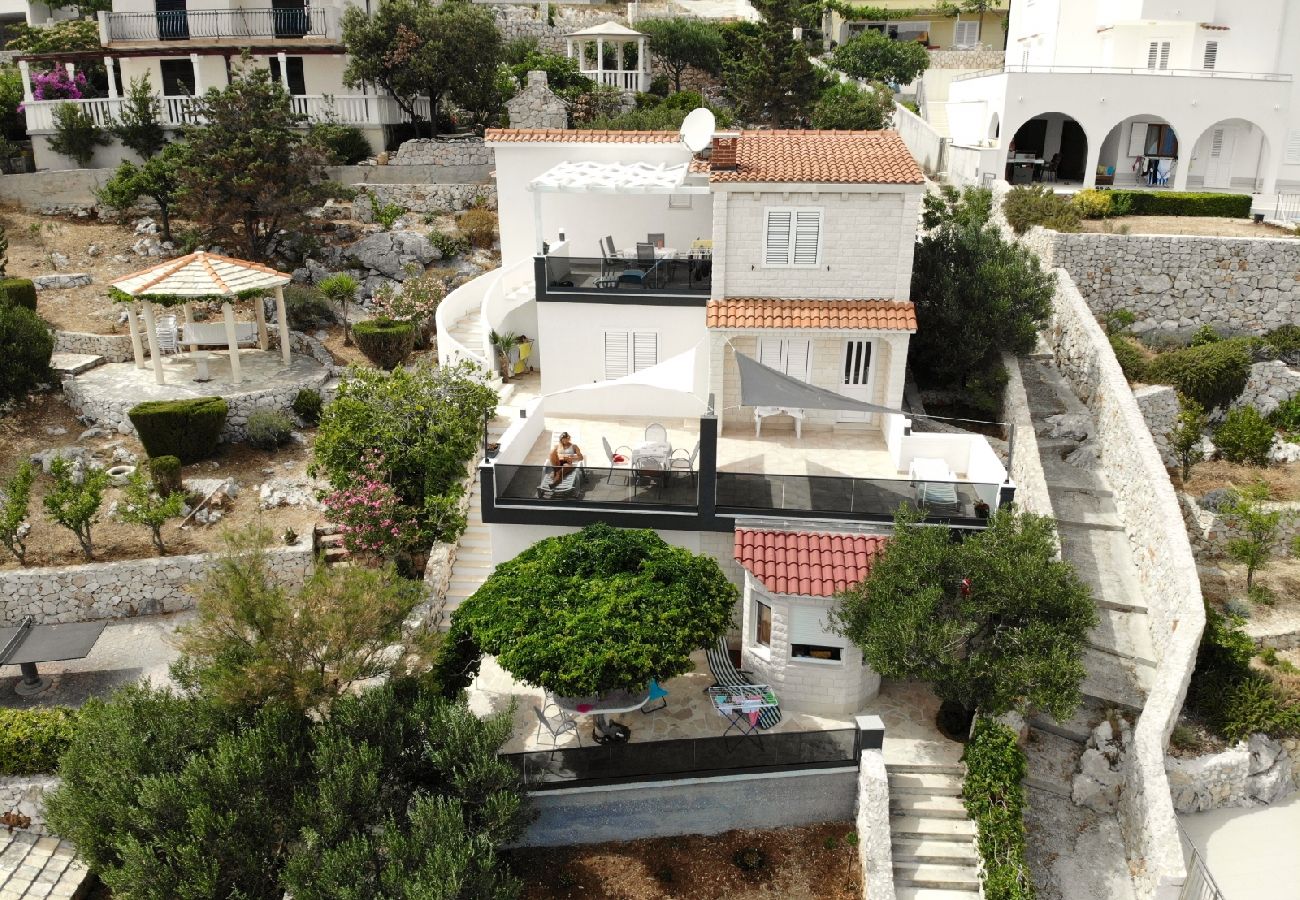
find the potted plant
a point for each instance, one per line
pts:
(502, 343)
(982, 510)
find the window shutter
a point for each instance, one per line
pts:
(798, 359)
(616, 354)
(1164, 54)
(1137, 139)
(968, 33)
(769, 353)
(1293, 147)
(807, 237)
(808, 627)
(645, 350)
(1216, 144)
(776, 246)
(1153, 51)
(1211, 55)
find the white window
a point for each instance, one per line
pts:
(793, 356)
(1293, 147)
(1211, 55)
(679, 201)
(792, 237)
(630, 351)
(811, 639)
(1158, 55)
(967, 34)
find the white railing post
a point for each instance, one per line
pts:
(104, 35)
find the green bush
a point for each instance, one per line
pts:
(1129, 356)
(985, 388)
(1205, 335)
(1287, 416)
(478, 225)
(994, 796)
(186, 429)
(1283, 340)
(343, 144)
(268, 429)
(32, 740)
(25, 347)
(1213, 374)
(1030, 205)
(385, 342)
(307, 406)
(448, 245)
(1232, 698)
(1094, 204)
(306, 307)
(166, 472)
(1169, 203)
(1244, 437)
(18, 292)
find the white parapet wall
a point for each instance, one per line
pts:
(875, 847)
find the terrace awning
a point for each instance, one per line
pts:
(762, 385)
(588, 177)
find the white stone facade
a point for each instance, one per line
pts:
(112, 590)
(807, 685)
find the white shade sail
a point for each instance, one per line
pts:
(201, 275)
(762, 385)
(616, 178)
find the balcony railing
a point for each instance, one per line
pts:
(1111, 70)
(212, 24)
(624, 80)
(177, 111)
(687, 273)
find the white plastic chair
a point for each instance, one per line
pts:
(684, 462)
(615, 465)
(656, 433)
(166, 332)
(556, 730)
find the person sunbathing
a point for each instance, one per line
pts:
(564, 456)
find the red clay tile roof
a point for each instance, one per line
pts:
(814, 565)
(577, 136)
(822, 157)
(768, 312)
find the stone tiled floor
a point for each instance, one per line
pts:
(33, 867)
(908, 711)
(259, 370)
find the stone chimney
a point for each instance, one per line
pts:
(722, 156)
(537, 106)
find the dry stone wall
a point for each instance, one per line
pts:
(428, 198)
(448, 151)
(114, 590)
(1261, 770)
(537, 106)
(1210, 532)
(532, 21)
(1270, 385)
(1159, 406)
(25, 795)
(115, 348)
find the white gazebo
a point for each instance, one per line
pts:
(619, 36)
(202, 276)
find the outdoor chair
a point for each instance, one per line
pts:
(684, 463)
(166, 332)
(727, 675)
(645, 269)
(556, 730)
(655, 239)
(656, 433)
(614, 464)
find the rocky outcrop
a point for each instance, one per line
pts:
(1100, 777)
(389, 253)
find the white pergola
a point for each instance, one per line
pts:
(203, 276)
(619, 36)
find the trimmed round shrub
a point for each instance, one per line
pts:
(32, 740)
(1212, 374)
(344, 144)
(166, 474)
(25, 347)
(306, 307)
(307, 406)
(479, 226)
(186, 429)
(1244, 437)
(18, 292)
(1130, 357)
(268, 429)
(385, 342)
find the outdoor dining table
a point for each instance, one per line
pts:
(630, 253)
(741, 706)
(650, 459)
(601, 706)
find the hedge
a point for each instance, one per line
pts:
(18, 292)
(994, 796)
(26, 343)
(186, 429)
(1211, 374)
(32, 740)
(1166, 203)
(385, 342)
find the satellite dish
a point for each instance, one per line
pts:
(697, 129)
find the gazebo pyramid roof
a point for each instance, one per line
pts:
(607, 29)
(200, 275)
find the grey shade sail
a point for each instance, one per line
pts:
(762, 385)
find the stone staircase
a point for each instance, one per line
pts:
(65, 364)
(473, 563)
(933, 840)
(327, 541)
(468, 332)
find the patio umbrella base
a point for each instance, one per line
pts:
(612, 733)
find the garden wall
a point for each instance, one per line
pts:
(112, 590)
(531, 21)
(1159, 405)
(1210, 532)
(1261, 770)
(25, 795)
(1181, 281)
(442, 152)
(1026, 464)
(427, 198)
(875, 845)
(115, 348)
(1270, 385)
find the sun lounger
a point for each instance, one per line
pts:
(570, 486)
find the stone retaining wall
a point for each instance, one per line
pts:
(25, 795)
(453, 151)
(531, 21)
(1258, 771)
(1026, 465)
(1173, 282)
(1210, 532)
(113, 590)
(115, 348)
(967, 59)
(1159, 406)
(427, 198)
(1270, 385)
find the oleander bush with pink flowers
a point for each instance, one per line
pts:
(371, 517)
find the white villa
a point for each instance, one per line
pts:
(1191, 94)
(724, 334)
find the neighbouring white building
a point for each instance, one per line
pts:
(1193, 93)
(724, 334)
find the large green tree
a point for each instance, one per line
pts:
(995, 622)
(155, 178)
(447, 52)
(682, 43)
(768, 74)
(873, 56)
(847, 106)
(976, 294)
(248, 170)
(599, 609)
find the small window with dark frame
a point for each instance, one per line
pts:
(177, 77)
(1161, 141)
(763, 624)
(297, 80)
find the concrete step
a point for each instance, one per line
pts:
(1077, 728)
(326, 528)
(934, 875)
(938, 807)
(1123, 633)
(335, 554)
(913, 768)
(930, 784)
(1117, 681)
(912, 827)
(926, 851)
(914, 892)
(65, 364)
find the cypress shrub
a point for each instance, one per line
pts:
(385, 342)
(186, 429)
(307, 406)
(1211, 374)
(1168, 203)
(166, 472)
(25, 347)
(18, 292)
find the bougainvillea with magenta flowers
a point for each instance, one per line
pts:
(371, 517)
(56, 85)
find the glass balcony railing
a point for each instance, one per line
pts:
(685, 272)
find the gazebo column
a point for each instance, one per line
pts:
(133, 323)
(259, 313)
(151, 333)
(232, 341)
(282, 320)
(189, 326)
(600, 60)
